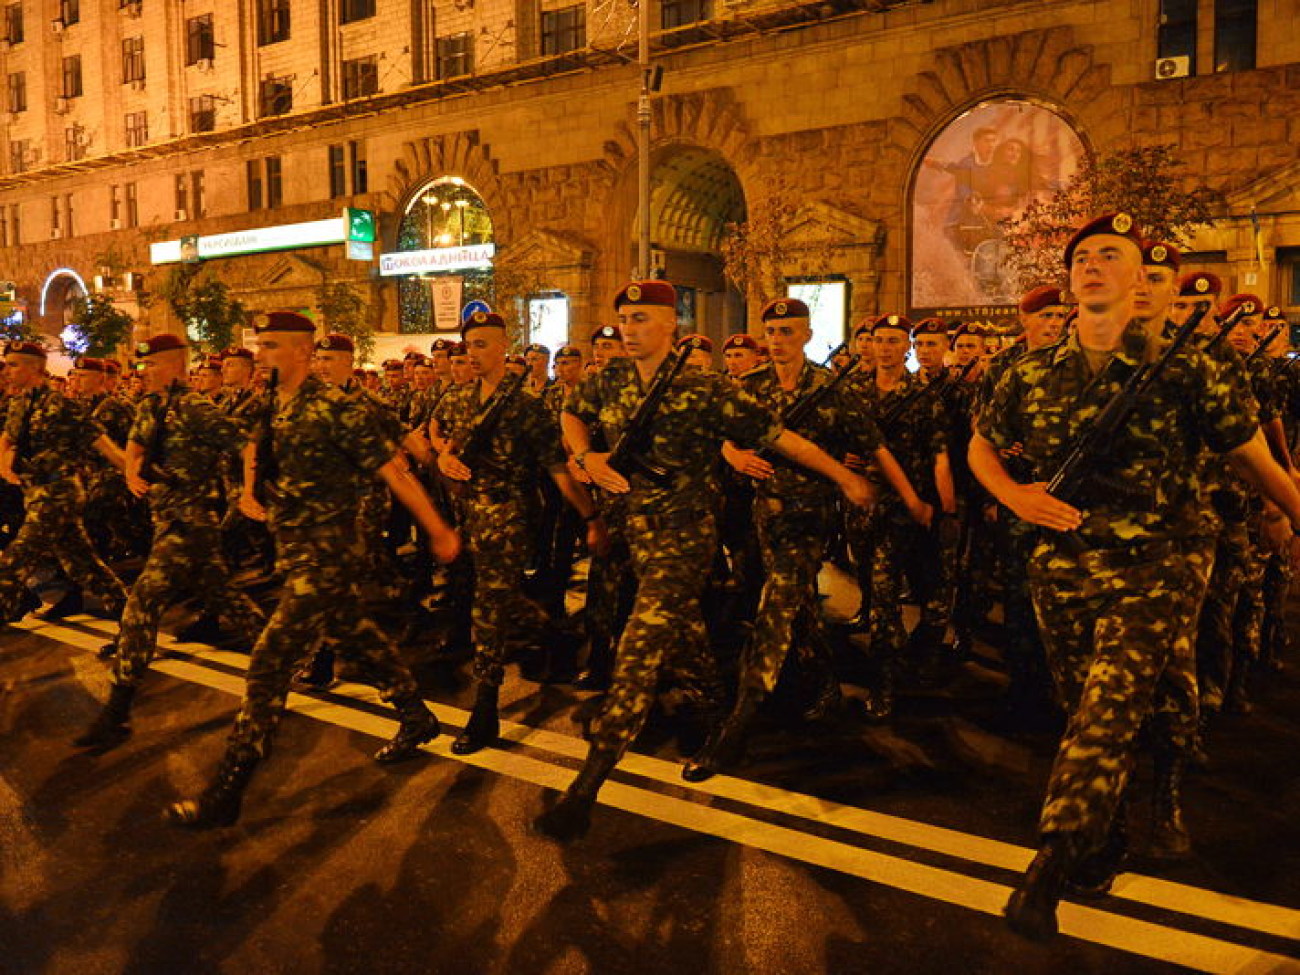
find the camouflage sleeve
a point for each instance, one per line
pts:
(543, 433)
(361, 438)
(143, 421)
(936, 436)
(441, 415)
(584, 402)
(998, 411)
(87, 429)
(1265, 389)
(211, 425)
(741, 418)
(863, 435)
(1225, 413)
(13, 419)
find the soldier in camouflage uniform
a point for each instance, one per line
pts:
(792, 510)
(46, 439)
(314, 455)
(109, 505)
(1107, 576)
(500, 482)
(176, 443)
(1281, 569)
(670, 523)
(567, 530)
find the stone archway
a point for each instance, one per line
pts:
(60, 289)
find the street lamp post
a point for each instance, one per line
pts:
(643, 127)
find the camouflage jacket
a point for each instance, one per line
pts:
(916, 437)
(327, 447)
(554, 397)
(115, 415)
(188, 440)
(424, 402)
(841, 424)
(994, 369)
(525, 443)
(700, 411)
(60, 435)
(1147, 488)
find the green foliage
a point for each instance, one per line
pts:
(203, 303)
(98, 327)
(1149, 183)
(344, 311)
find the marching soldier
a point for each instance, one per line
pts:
(315, 454)
(538, 359)
(176, 444)
(1107, 575)
(46, 439)
(670, 520)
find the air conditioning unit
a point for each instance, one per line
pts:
(1168, 68)
(137, 84)
(56, 233)
(181, 215)
(133, 8)
(115, 223)
(57, 25)
(204, 64)
(62, 105)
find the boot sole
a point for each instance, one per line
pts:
(408, 751)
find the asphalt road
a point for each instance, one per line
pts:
(839, 847)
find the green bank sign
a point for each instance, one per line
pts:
(356, 228)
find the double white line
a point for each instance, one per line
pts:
(1165, 942)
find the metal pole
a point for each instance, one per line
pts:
(643, 127)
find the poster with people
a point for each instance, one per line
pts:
(985, 167)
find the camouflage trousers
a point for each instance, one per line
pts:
(116, 521)
(665, 631)
(1177, 707)
(610, 580)
(792, 542)
(53, 527)
(11, 512)
(498, 536)
(886, 535)
(1109, 623)
(1277, 589)
(1218, 633)
(185, 559)
(319, 600)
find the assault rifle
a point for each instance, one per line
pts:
(1099, 439)
(23, 444)
(473, 444)
(1231, 322)
(799, 411)
(1264, 343)
(929, 389)
(628, 456)
(265, 466)
(151, 465)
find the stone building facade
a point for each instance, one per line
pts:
(364, 103)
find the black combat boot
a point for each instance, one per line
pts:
(1095, 872)
(600, 666)
(483, 726)
(29, 603)
(879, 700)
(1169, 837)
(726, 745)
(113, 725)
(418, 725)
(218, 804)
(1031, 911)
(570, 817)
(69, 604)
(1236, 700)
(319, 674)
(825, 684)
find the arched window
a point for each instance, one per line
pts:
(443, 213)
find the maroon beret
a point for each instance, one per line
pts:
(1251, 305)
(481, 319)
(866, 325)
(607, 332)
(335, 342)
(1040, 298)
(967, 328)
(238, 352)
(1200, 284)
(457, 349)
(740, 341)
(26, 348)
(783, 308)
(441, 345)
(210, 363)
(892, 321)
(88, 364)
(166, 342)
(1156, 253)
(647, 293)
(930, 326)
(1117, 224)
(287, 321)
(1274, 314)
(535, 347)
(695, 341)
(568, 352)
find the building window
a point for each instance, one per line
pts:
(456, 55)
(74, 143)
(1234, 34)
(14, 23)
(137, 128)
(115, 206)
(72, 76)
(198, 195)
(360, 77)
(350, 10)
(56, 212)
(272, 21)
(15, 225)
(360, 179)
(69, 228)
(18, 155)
(338, 173)
(203, 113)
(132, 206)
(264, 184)
(17, 101)
(276, 96)
(564, 30)
(200, 41)
(182, 196)
(70, 11)
(679, 13)
(274, 196)
(253, 171)
(1176, 37)
(132, 59)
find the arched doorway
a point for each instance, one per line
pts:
(694, 195)
(62, 287)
